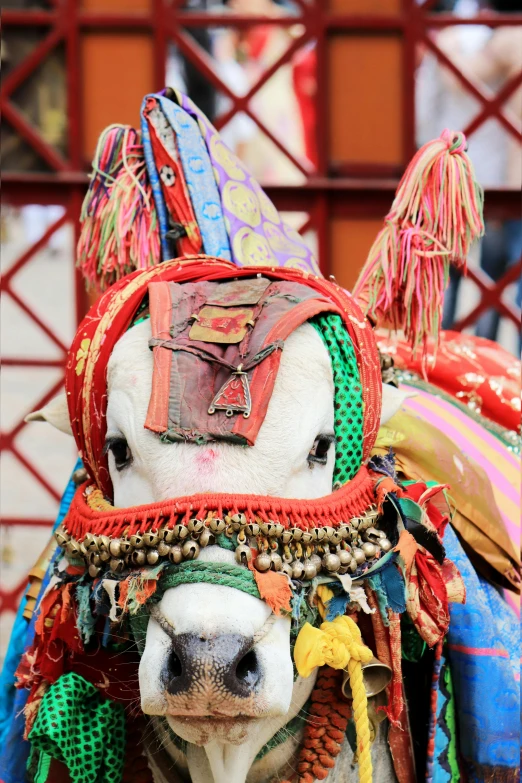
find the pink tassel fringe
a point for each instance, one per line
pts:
(436, 214)
(119, 231)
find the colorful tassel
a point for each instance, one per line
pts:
(119, 222)
(436, 214)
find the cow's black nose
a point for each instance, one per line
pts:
(228, 662)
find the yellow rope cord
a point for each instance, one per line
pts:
(362, 723)
(339, 644)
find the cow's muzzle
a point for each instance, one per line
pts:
(225, 664)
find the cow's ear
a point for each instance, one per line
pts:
(55, 413)
(392, 399)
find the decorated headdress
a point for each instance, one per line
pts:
(240, 283)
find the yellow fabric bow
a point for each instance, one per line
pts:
(333, 644)
(339, 644)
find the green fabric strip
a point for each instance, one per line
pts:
(194, 571)
(348, 398)
(44, 763)
(451, 724)
(78, 727)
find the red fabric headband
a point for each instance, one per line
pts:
(111, 315)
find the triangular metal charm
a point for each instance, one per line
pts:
(234, 396)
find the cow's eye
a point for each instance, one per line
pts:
(319, 451)
(120, 450)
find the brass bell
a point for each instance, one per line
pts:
(276, 561)
(180, 531)
(116, 565)
(94, 559)
(287, 536)
(243, 554)
(297, 533)
(328, 531)
(335, 537)
(150, 539)
(359, 555)
(61, 537)
(276, 531)
(94, 570)
(318, 534)
(138, 557)
(287, 569)
(310, 570)
(297, 569)
(217, 525)
(373, 535)
(152, 556)
(125, 546)
(137, 541)
(163, 549)
(331, 562)
(370, 550)
(345, 557)
(73, 548)
(105, 555)
(89, 542)
(306, 538)
(385, 544)
(263, 562)
(190, 550)
(376, 677)
(195, 526)
(167, 534)
(316, 560)
(175, 554)
(252, 529)
(115, 547)
(80, 476)
(239, 519)
(206, 538)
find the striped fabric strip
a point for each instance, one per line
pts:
(500, 464)
(485, 449)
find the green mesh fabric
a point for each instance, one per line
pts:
(348, 399)
(78, 727)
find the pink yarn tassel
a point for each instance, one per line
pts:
(119, 223)
(436, 214)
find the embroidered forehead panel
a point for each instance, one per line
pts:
(217, 348)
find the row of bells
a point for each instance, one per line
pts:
(305, 553)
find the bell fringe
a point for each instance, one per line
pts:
(351, 500)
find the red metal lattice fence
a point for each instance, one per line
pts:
(330, 190)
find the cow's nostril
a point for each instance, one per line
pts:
(175, 667)
(247, 669)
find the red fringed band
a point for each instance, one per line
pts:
(352, 500)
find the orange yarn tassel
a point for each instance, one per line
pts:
(436, 214)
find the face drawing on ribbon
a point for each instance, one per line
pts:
(253, 249)
(242, 202)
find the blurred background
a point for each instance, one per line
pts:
(325, 101)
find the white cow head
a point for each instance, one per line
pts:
(217, 665)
